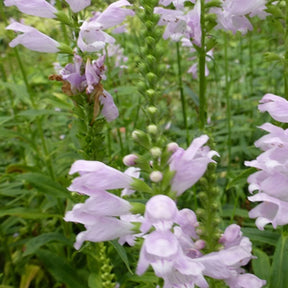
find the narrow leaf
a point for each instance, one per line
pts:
(279, 275)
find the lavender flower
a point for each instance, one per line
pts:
(181, 24)
(175, 256)
(78, 5)
(39, 8)
(190, 165)
(95, 176)
(91, 37)
(276, 106)
(100, 212)
(32, 39)
(271, 180)
(232, 15)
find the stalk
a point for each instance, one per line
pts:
(286, 54)
(183, 100)
(228, 100)
(202, 77)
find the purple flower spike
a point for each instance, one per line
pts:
(39, 8)
(190, 165)
(276, 106)
(78, 5)
(32, 39)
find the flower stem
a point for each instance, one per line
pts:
(286, 54)
(202, 77)
(183, 100)
(228, 100)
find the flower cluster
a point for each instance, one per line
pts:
(170, 242)
(173, 249)
(184, 24)
(78, 76)
(233, 14)
(271, 180)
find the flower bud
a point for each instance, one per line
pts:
(129, 160)
(172, 147)
(152, 109)
(156, 176)
(156, 152)
(152, 129)
(150, 92)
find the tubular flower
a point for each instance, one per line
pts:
(180, 24)
(190, 164)
(271, 180)
(91, 37)
(276, 106)
(175, 256)
(78, 5)
(32, 39)
(39, 8)
(104, 215)
(232, 15)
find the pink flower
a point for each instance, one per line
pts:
(91, 37)
(109, 109)
(39, 8)
(94, 73)
(32, 39)
(277, 137)
(190, 165)
(226, 264)
(73, 74)
(273, 210)
(78, 5)
(95, 176)
(276, 106)
(162, 250)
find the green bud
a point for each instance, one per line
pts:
(156, 152)
(151, 77)
(141, 138)
(150, 92)
(152, 109)
(65, 49)
(151, 59)
(150, 40)
(141, 186)
(64, 18)
(152, 129)
(202, 196)
(137, 208)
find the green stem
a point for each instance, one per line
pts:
(202, 77)
(228, 101)
(286, 54)
(183, 100)
(251, 62)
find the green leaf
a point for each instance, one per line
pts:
(261, 265)
(279, 275)
(94, 280)
(268, 237)
(122, 253)
(45, 185)
(60, 269)
(26, 213)
(33, 113)
(240, 177)
(35, 243)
